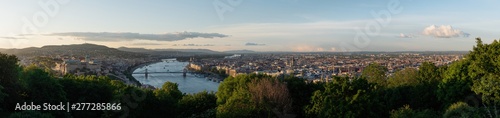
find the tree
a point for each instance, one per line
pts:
(484, 70)
(462, 110)
(407, 112)
(87, 89)
(456, 84)
(270, 95)
(251, 96)
(2, 95)
(168, 97)
(343, 98)
(428, 72)
(233, 97)
(192, 105)
(300, 93)
(169, 89)
(137, 102)
(375, 73)
(30, 114)
(9, 71)
(407, 76)
(403, 112)
(42, 88)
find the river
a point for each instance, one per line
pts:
(189, 84)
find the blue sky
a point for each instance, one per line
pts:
(261, 25)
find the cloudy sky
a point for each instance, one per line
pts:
(261, 25)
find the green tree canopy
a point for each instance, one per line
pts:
(40, 87)
(87, 89)
(9, 72)
(375, 73)
(168, 97)
(407, 112)
(343, 98)
(407, 76)
(428, 72)
(462, 110)
(198, 104)
(252, 96)
(456, 84)
(484, 70)
(300, 92)
(30, 114)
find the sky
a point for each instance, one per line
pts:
(260, 25)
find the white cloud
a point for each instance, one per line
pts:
(333, 49)
(443, 31)
(402, 35)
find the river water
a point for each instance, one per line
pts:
(189, 84)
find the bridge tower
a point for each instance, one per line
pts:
(184, 72)
(146, 74)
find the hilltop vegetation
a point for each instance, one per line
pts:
(77, 49)
(468, 88)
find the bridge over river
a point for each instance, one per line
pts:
(146, 73)
(173, 71)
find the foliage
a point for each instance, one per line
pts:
(403, 112)
(197, 104)
(461, 110)
(244, 96)
(9, 72)
(456, 84)
(270, 95)
(168, 97)
(40, 87)
(300, 93)
(428, 73)
(407, 112)
(169, 90)
(2, 94)
(30, 114)
(375, 73)
(484, 70)
(343, 98)
(407, 76)
(87, 89)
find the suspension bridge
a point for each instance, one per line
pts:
(146, 73)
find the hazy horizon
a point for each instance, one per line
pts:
(257, 25)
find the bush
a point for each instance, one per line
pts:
(461, 110)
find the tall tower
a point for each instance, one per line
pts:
(292, 62)
(87, 58)
(146, 73)
(327, 77)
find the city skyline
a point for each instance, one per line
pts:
(276, 25)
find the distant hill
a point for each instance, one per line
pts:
(76, 49)
(141, 50)
(239, 51)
